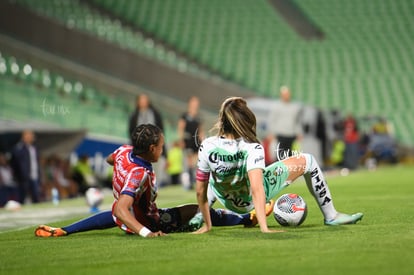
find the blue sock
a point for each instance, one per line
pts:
(223, 217)
(102, 220)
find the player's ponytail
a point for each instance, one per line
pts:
(237, 119)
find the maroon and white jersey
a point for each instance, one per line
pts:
(134, 176)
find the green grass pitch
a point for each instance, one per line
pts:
(383, 243)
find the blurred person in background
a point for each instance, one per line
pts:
(190, 130)
(146, 113)
(8, 186)
(83, 174)
(57, 176)
(268, 146)
(175, 162)
(381, 147)
(351, 139)
(284, 122)
(336, 157)
(26, 167)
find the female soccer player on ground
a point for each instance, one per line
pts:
(232, 165)
(134, 186)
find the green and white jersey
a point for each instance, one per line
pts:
(228, 161)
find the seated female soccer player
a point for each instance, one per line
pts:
(134, 186)
(231, 163)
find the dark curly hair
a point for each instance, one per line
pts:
(143, 137)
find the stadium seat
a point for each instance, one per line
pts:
(39, 94)
(366, 55)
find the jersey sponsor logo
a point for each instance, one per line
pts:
(229, 142)
(216, 157)
(320, 189)
(223, 170)
(119, 164)
(136, 178)
(237, 201)
(259, 159)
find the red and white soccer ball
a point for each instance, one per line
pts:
(290, 210)
(94, 197)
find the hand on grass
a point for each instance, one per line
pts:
(203, 229)
(272, 231)
(156, 234)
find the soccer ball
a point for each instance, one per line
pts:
(12, 205)
(94, 197)
(290, 210)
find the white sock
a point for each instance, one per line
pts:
(317, 185)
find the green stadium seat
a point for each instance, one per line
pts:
(368, 47)
(39, 94)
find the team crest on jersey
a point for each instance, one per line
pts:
(278, 171)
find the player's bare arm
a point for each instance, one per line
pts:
(201, 191)
(122, 212)
(110, 160)
(259, 200)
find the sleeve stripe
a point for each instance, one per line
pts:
(202, 176)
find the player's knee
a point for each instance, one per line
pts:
(310, 162)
